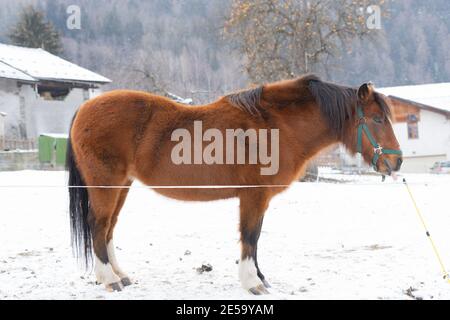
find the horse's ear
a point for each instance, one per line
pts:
(365, 92)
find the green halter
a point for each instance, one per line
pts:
(378, 150)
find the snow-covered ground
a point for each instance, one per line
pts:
(359, 240)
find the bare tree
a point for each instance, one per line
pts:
(149, 79)
(281, 39)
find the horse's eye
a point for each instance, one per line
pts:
(378, 119)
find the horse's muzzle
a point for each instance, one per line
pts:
(389, 165)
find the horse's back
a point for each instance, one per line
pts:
(125, 104)
(121, 111)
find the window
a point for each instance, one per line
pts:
(413, 127)
(53, 92)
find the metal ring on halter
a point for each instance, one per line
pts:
(362, 120)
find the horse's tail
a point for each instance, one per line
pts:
(81, 238)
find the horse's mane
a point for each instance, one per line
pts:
(247, 100)
(337, 103)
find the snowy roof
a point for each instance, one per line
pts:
(9, 72)
(435, 95)
(42, 65)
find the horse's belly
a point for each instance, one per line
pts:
(197, 194)
(190, 182)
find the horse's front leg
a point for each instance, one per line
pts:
(253, 204)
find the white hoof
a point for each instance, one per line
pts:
(259, 290)
(116, 286)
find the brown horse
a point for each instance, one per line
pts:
(125, 135)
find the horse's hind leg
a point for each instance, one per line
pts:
(253, 204)
(103, 202)
(109, 238)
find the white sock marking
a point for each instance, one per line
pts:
(104, 272)
(113, 260)
(248, 274)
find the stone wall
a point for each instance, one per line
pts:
(23, 160)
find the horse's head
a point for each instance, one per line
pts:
(375, 138)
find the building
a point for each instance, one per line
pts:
(39, 92)
(422, 123)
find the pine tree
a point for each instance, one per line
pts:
(33, 31)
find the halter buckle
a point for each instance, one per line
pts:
(378, 150)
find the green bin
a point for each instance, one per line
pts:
(52, 149)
